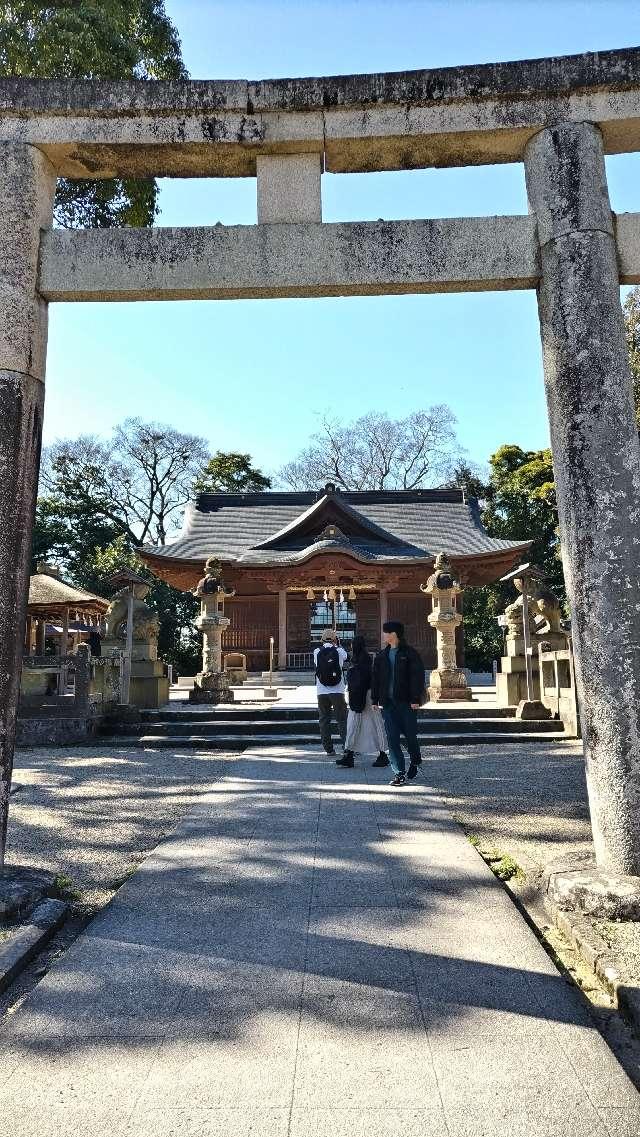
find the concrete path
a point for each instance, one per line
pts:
(311, 952)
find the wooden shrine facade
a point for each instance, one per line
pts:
(303, 561)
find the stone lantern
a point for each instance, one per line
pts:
(212, 683)
(448, 682)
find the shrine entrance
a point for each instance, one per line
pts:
(559, 117)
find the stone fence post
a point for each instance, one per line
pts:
(27, 186)
(596, 457)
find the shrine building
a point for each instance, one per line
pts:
(304, 561)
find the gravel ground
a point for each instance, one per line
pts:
(524, 797)
(92, 813)
(529, 801)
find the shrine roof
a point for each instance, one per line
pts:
(287, 528)
(48, 591)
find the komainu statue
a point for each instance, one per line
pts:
(212, 584)
(146, 623)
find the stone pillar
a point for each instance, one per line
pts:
(596, 458)
(212, 683)
(282, 629)
(289, 188)
(27, 186)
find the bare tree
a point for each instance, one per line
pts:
(376, 452)
(139, 481)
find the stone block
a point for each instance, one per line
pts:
(511, 687)
(23, 333)
(149, 691)
(449, 694)
(594, 892)
(289, 188)
(211, 687)
(532, 710)
(20, 888)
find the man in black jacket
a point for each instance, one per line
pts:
(398, 688)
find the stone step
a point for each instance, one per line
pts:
(211, 727)
(250, 741)
(281, 712)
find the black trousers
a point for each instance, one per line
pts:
(329, 705)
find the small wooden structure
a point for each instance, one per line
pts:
(53, 600)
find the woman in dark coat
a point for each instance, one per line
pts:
(365, 728)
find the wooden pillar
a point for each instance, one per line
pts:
(126, 667)
(64, 640)
(41, 626)
(282, 629)
(461, 660)
(384, 608)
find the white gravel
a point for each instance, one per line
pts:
(92, 813)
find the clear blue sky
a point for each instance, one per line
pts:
(256, 375)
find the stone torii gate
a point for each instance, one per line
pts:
(558, 116)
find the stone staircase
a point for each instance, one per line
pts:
(239, 727)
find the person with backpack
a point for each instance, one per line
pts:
(398, 688)
(365, 729)
(329, 660)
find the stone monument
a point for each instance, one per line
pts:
(212, 684)
(544, 617)
(448, 682)
(148, 681)
(511, 680)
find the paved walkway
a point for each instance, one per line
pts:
(310, 952)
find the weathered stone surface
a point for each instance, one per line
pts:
(27, 940)
(595, 893)
(531, 710)
(21, 409)
(358, 258)
(597, 472)
(20, 888)
(402, 120)
(27, 185)
(627, 228)
(289, 188)
(362, 258)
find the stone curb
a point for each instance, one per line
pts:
(597, 956)
(20, 949)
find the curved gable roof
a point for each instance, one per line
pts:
(395, 527)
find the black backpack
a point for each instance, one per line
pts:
(328, 669)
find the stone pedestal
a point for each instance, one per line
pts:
(511, 680)
(211, 687)
(574, 883)
(447, 682)
(148, 684)
(448, 685)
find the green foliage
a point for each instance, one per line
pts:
(87, 39)
(517, 503)
(632, 328)
(521, 505)
(178, 641)
(65, 887)
(137, 483)
(102, 501)
(231, 473)
(503, 866)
